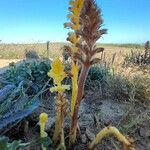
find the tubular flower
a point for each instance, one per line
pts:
(57, 71)
(73, 38)
(76, 7)
(58, 74)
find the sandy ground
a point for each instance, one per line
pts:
(4, 63)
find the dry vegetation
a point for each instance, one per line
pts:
(88, 90)
(17, 52)
(112, 81)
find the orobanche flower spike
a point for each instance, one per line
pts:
(75, 9)
(58, 74)
(84, 39)
(43, 121)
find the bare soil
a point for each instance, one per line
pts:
(95, 114)
(4, 63)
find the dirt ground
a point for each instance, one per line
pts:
(4, 63)
(95, 114)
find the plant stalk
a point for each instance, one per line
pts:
(74, 85)
(107, 131)
(81, 82)
(59, 133)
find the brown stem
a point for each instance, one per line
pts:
(81, 82)
(60, 111)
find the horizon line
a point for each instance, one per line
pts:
(41, 42)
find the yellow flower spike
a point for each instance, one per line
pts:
(57, 71)
(58, 74)
(57, 66)
(43, 120)
(76, 7)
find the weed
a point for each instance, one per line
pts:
(35, 71)
(31, 54)
(140, 58)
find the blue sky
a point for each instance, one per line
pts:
(127, 21)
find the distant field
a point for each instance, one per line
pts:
(17, 51)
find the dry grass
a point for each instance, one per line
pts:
(17, 51)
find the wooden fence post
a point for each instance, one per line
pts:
(48, 50)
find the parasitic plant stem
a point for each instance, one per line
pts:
(86, 22)
(60, 114)
(81, 82)
(74, 78)
(107, 131)
(43, 120)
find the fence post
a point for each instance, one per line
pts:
(48, 43)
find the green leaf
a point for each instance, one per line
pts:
(46, 141)
(14, 145)
(3, 143)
